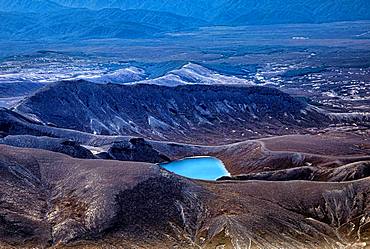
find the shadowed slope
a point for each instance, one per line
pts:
(198, 113)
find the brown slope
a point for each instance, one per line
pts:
(291, 214)
(348, 172)
(329, 143)
(286, 152)
(74, 203)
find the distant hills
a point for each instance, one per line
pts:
(239, 12)
(39, 6)
(242, 12)
(74, 23)
(84, 19)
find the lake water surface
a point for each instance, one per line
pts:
(202, 168)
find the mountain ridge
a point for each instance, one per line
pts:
(169, 112)
(219, 12)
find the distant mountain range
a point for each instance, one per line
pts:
(84, 19)
(84, 23)
(241, 12)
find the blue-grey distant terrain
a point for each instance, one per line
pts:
(241, 12)
(38, 19)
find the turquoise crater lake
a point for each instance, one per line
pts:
(201, 168)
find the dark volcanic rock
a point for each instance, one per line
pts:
(185, 113)
(61, 145)
(23, 204)
(168, 198)
(136, 149)
(14, 123)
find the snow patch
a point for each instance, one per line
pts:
(123, 75)
(156, 123)
(192, 73)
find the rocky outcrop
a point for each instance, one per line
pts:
(16, 124)
(136, 149)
